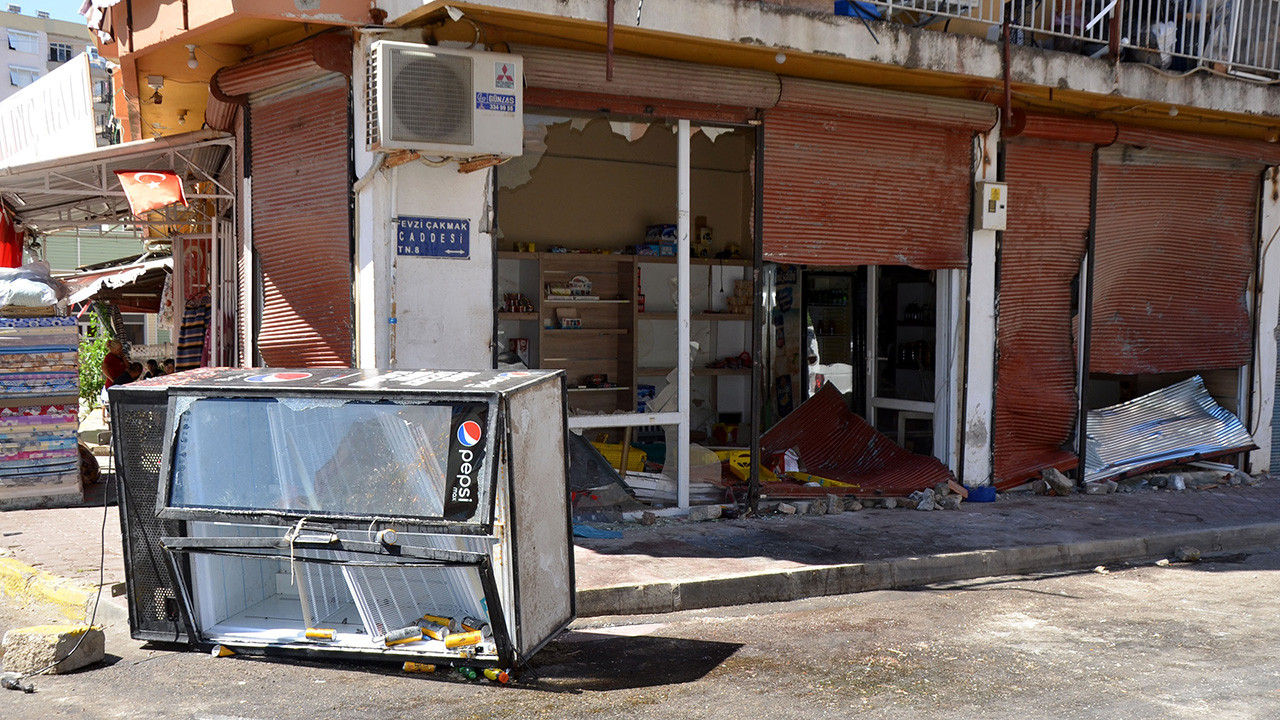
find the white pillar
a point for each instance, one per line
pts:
(979, 397)
(1264, 361)
(682, 313)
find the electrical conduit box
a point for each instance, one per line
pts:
(990, 200)
(409, 515)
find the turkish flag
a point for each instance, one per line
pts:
(151, 189)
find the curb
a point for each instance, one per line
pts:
(901, 573)
(75, 602)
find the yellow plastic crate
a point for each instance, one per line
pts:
(613, 453)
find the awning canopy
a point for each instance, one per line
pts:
(132, 284)
(67, 193)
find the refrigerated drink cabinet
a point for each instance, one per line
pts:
(416, 515)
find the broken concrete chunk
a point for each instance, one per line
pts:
(1060, 484)
(32, 649)
(1163, 562)
(818, 507)
(648, 518)
(835, 505)
(1186, 553)
(942, 489)
(949, 502)
(787, 508)
(891, 503)
(853, 504)
(699, 513)
(802, 508)
(924, 499)
(1100, 487)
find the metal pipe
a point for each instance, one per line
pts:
(757, 325)
(683, 385)
(1085, 324)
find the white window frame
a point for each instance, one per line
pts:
(15, 74)
(24, 42)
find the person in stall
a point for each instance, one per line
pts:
(169, 367)
(133, 372)
(152, 370)
(114, 364)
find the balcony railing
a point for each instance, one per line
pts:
(1241, 37)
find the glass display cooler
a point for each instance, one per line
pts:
(408, 515)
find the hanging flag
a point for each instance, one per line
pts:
(151, 189)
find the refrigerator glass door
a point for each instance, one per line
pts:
(330, 457)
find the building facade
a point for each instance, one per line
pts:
(975, 235)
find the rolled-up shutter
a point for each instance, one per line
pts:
(858, 177)
(300, 145)
(1175, 246)
(1048, 222)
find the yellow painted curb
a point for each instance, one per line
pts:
(27, 585)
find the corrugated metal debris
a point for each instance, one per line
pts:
(834, 443)
(1178, 423)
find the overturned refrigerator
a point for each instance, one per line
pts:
(415, 515)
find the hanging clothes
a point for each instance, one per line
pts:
(191, 338)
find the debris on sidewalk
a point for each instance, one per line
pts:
(832, 442)
(54, 649)
(1176, 424)
(1187, 553)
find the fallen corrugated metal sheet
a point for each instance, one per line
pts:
(834, 443)
(1176, 424)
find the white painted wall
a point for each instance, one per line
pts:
(1264, 361)
(416, 312)
(979, 399)
(443, 307)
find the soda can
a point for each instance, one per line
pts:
(416, 667)
(321, 634)
(448, 622)
(221, 651)
(403, 635)
(456, 640)
(434, 630)
(497, 675)
(471, 624)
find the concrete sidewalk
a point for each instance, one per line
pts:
(678, 565)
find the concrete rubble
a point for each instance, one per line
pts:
(54, 649)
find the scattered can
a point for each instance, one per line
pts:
(471, 624)
(221, 651)
(434, 630)
(497, 675)
(448, 622)
(402, 636)
(321, 634)
(416, 667)
(456, 640)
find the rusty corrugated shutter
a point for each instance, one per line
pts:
(848, 182)
(300, 144)
(1174, 251)
(550, 68)
(1040, 254)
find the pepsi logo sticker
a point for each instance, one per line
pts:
(279, 377)
(515, 373)
(469, 433)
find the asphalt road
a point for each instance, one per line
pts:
(1182, 641)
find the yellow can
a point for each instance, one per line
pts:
(461, 639)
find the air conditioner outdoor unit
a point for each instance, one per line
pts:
(442, 101)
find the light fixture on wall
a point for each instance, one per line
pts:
(192, 62)
(155, 82)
